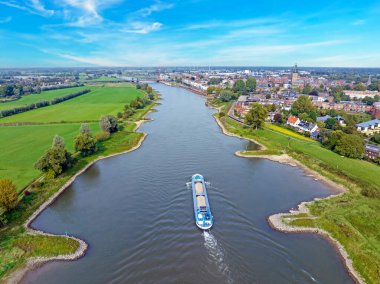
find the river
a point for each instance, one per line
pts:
(136, 213)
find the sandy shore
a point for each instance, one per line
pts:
(276, 220)
(36, 262)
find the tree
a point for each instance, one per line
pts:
(251, 84)
(278, 118)
(256, 116)
(330, 122)
(302, 105)
(226, 96)
(108, 123)
(306, 89)
(58, 141)
(8, 194)
(85, 143)
(360, 87)
(128, 111)
(351, 146)
(55, 160)
(239, 87)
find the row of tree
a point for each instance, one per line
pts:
(138, 103)
(18, 90)
(40, 104)
(58, 159)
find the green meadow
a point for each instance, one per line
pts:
(22, 146)
(88, 107)
(43, 96)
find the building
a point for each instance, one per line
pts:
(293, 121)
(372, 151)
(361, 94)
(369, 127)
(303, 125)
(296, 79)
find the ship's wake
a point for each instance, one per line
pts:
(216, 253)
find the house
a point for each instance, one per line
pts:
(369, 127)
(372, 151)
(323, 118)
(293, 121)
(338, 118)
(307, 126)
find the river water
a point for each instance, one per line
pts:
(136, 212)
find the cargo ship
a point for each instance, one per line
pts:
(202, 210)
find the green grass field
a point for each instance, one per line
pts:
(22, 146)
(100, 101)
(353, 219)
(360, 170)
(43, 96)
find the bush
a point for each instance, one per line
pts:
(8, 194)
(222, 114)
(108, 123)
(85, 142)
(102, 136)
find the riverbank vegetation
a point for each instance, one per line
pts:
(353, 218)
(76, 148)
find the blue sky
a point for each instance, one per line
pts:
(42, 33)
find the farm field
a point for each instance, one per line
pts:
(25, 145)
(45, 95)
(89, 107)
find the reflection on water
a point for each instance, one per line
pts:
(137, 215)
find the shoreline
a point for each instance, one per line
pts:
(276, 222)
(35, 262)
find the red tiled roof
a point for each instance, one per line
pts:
(292, 119)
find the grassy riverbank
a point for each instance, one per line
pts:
(353, 218)
(17, 244)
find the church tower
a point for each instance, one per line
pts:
(295, 76)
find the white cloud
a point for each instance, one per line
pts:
(31, 6)
(142, 28)
(39, 7)
(156, 7)
(98, 61)
(5, 20)
(88, 12)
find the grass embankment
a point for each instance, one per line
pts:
(353, 219)
(43, 96)
(16, 244)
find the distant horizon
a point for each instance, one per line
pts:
(118, 33)
(185, 66)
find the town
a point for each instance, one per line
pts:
(339, 100)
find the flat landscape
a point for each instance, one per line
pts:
(26, 143)
(43, 96)
(88, 107)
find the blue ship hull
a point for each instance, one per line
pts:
(202, 211)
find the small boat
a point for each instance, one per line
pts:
(202, 211)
